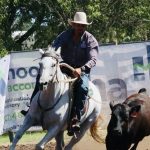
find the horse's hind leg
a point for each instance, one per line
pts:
(60, 141)
(84, 127)
(26, 125)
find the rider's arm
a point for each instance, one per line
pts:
(60, 40)
(92, 46)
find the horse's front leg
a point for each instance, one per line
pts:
(51, 133)
(60, 141)
(28, 122)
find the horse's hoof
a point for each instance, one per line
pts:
(11, 148)
(66, 148)
(38, 147)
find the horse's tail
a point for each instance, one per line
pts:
(94, 130)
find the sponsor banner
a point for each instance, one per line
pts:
(120, 71)
(21, 81)
(4, 68)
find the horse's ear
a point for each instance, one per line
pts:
(41, 51)
(58, 51)
(50, 48)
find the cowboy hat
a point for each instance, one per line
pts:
(80, 18)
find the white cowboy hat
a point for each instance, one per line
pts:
(80, 18)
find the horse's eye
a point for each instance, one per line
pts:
(53, 65)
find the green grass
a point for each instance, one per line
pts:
(30, 137)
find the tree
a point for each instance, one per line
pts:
(113, 20)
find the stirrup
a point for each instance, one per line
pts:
(76, 127)
(70, 133)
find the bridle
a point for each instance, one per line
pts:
(55, 78)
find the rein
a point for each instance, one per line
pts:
(54, 80)
(57, 64)
(49, 108)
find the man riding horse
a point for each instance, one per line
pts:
(79, 49)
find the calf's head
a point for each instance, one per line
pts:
(123, 117)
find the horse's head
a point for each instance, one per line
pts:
(48, 66)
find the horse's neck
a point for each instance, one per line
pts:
(55, 89)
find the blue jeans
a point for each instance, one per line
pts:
(80, 94)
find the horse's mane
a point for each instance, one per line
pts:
(50, 52)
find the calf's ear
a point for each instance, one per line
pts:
(134, 112)
(111, 104)
(142, 90)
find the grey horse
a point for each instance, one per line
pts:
(50, 107)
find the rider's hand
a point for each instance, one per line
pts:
(77, 72)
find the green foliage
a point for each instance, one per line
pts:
(27, 137)
(3, 52)
(113, 20)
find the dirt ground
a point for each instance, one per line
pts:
(87, 143)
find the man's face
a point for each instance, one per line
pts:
(79, 28)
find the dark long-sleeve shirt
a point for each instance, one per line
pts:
(82, 54)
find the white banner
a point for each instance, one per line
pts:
(4, 68)
(22, 74)
(121, 70)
